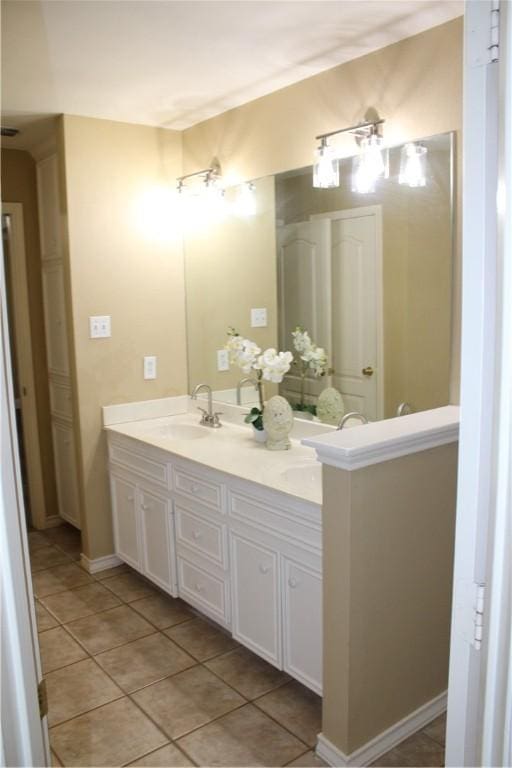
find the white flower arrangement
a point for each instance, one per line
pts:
(270, 365)
(309, 359)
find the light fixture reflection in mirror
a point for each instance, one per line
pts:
(244, 203)
(413, 159)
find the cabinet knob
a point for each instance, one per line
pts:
(263, 568)
(196, 535)
(199, 587)
(292, 583)
(145, 506)
(131, 498)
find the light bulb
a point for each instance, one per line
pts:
(369, 165)
(326, 168)
(245, 201)
(413, 165)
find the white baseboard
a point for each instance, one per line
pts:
(386, 740)
(100, 563)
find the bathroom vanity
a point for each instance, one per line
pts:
(211, 516)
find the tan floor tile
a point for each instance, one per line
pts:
(246, 672)
(200, 639)
(437, 729)
(183, 702)
(47, 557)
(165, 757)
(114, 734)
(130, 586)
(58, 649)
(44, 619)
(418, 751)
(109, 629)
(79, 602)
(67, 538)
(59, 579)
(56, 763)
(162, 611)
(36, 540)
(108, 573)
(297, 708)
(308, 760)
(77, 689)
(244, 737)
(144, 661)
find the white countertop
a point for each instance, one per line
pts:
(232, 449)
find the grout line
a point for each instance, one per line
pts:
(435, 741)
(311, 749)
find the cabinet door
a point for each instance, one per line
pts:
(66, 472)
(255, 589)
(55, 319)
(156, 523)
(125, 521)
(302, 629)
(48, 204)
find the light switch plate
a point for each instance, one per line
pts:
(150, 367)
(100, 327)
(259, 318)
(222, 360)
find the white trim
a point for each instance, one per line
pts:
(99, 563)
(386, 740)
(25, 362)
(24, 735)
(144, 409)
(367, 444)
(376, 211)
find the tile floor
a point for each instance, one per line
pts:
(136, 678)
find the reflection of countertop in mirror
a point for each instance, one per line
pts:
(230, 449)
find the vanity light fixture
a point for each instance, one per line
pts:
(371, 162)
(413, 163)
(211, 177)
(326, 168)
(245, 201)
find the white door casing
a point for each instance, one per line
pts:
(24, 363)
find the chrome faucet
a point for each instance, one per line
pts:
(209, 418)
(246, 380)
(404, 409)
(352, 415)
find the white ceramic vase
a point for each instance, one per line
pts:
(260, 435)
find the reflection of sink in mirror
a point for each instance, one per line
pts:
(248, 396)
(305, 474)
(179, 431)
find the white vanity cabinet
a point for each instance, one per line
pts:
(276, 574)
(246, 556)
(142, 515)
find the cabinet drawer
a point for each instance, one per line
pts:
(198, 488)
(150, 468)
(204, 537)
(203, 590)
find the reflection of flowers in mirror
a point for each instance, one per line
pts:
(309, 359)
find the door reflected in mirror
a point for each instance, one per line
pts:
(369, 276)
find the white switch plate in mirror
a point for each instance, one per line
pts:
(259, 318)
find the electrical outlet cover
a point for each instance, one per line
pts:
(259, 318)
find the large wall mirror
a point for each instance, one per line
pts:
(370, 276)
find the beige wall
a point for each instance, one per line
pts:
(126, 261)
(388, 537)
(230, 267)
(19, 186)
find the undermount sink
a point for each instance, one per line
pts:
(305, 474)
(180, 431)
